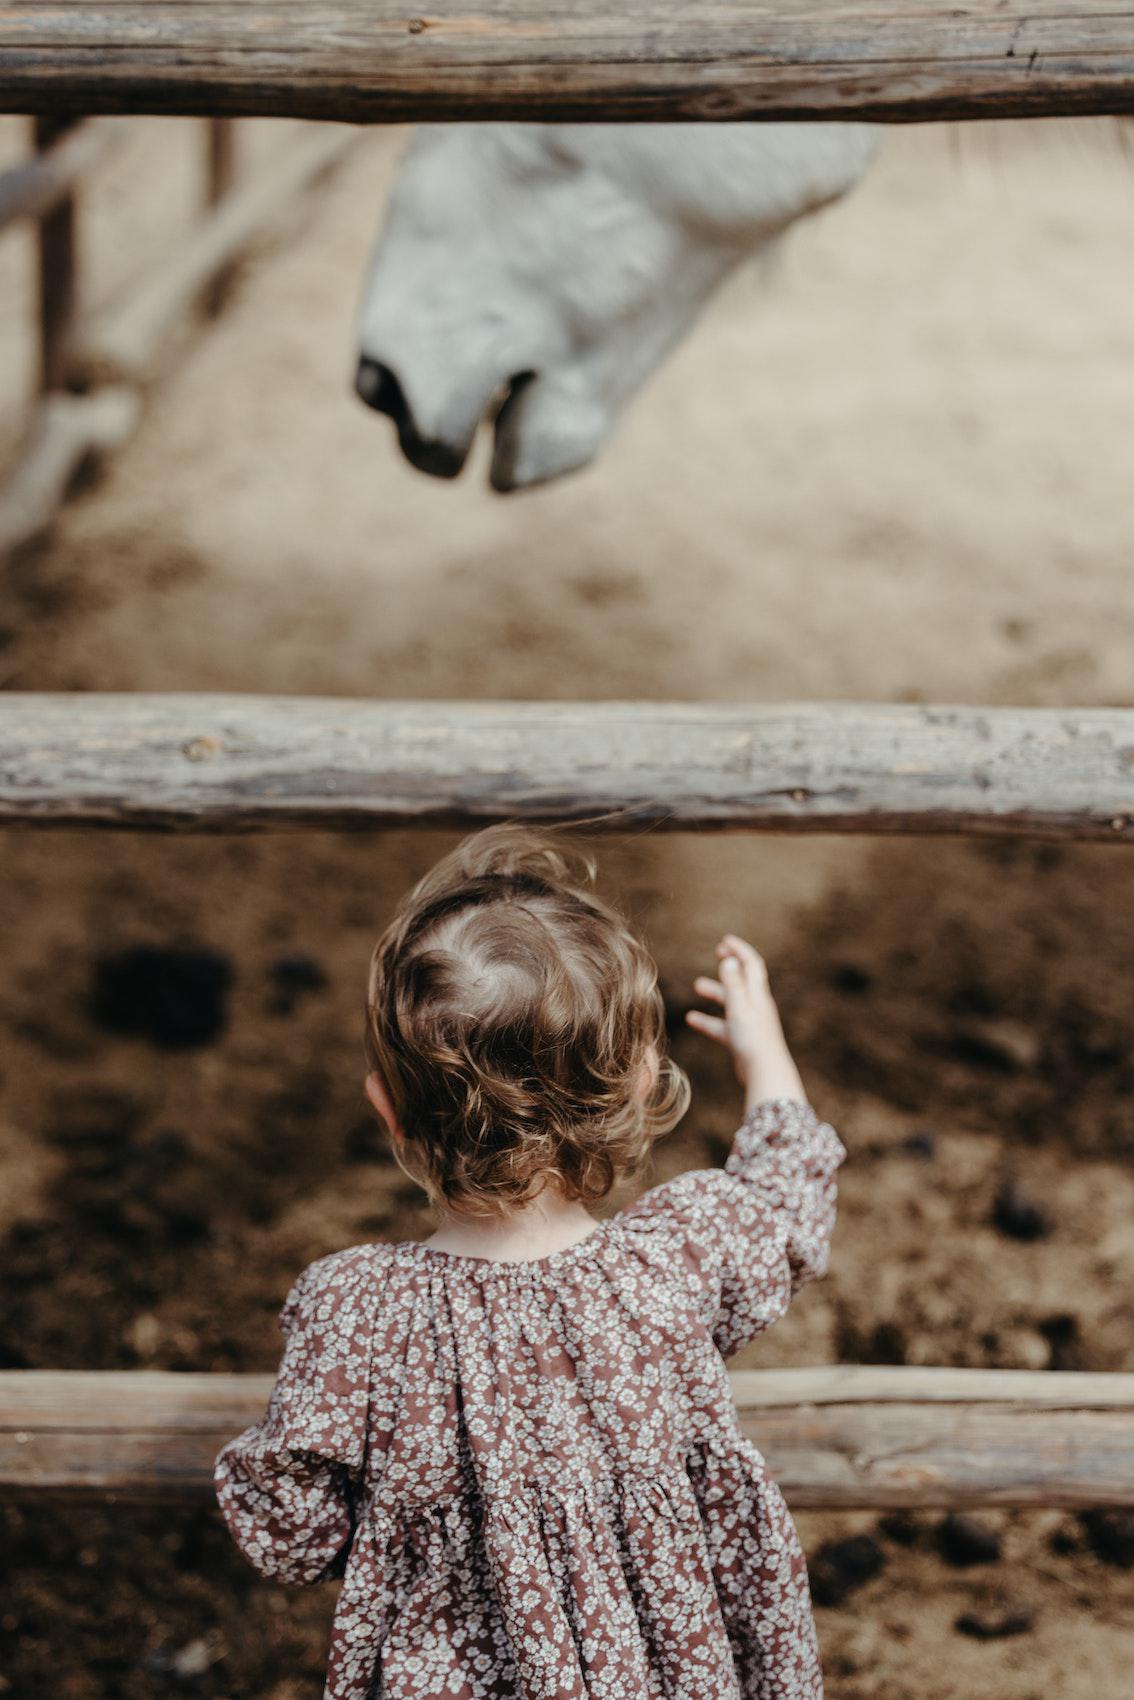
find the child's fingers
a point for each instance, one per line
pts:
(754, 970)
(711, 989)
(727, 952)
(734, 979)
(711, 1025)
(747, 953)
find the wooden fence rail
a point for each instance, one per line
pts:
(372, 61)
(234, 763)
(839, 1437)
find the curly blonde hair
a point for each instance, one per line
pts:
(511, 1016)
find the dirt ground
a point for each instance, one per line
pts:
(897, 468)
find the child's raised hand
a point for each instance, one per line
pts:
(749, 1027)
(746, 999)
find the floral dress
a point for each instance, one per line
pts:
(530, 1476)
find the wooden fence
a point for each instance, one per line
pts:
(238, 763)
(842, 1436)
(96, 361)
(846, 1436)
(373, 61)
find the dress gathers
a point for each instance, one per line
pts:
(530, 1477)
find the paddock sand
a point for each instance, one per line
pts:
(897, 468)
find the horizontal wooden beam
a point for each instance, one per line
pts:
(373, 61)
(237, 763)
(839, 1437)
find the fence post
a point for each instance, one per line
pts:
(58, 280)
(220, 144)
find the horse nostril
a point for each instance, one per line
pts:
(379, 389)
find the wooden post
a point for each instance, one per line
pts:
(220, 159)
(68, 433)
(30, 188)
(120, 343)
(58, 280)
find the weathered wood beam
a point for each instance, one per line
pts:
(35, 185)
(67, 434)
(838, 1437)
(373, 61)
(236, 763)
(57, 255)
(120, 344)
(220, 180)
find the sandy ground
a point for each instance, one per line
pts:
(895, 469)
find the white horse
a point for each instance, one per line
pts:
(541, 272)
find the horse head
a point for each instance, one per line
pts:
(537, 274)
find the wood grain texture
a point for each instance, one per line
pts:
(239, 763)
(841, 1437)
(370, 61)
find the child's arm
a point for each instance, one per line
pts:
(763, 1225)
(286, 1486)
(774, 1211)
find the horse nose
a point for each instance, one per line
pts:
(380, 389)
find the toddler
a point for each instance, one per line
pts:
(515, 1442)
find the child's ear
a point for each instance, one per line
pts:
(380, 1103)
(648, 1073)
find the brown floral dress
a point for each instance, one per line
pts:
(530, 1476)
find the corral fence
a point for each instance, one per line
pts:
(97, 359)
(840, 1436)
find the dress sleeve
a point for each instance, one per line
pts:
(287, 1485)
(757, 1231)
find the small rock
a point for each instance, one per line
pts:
(993, 1623)
(299, 972)
(1062, 1335)
(184, 1663)
(852, 977)
(900, 1526)
(144, 1334)
(966, 1540)
(1110, 1535)
(292, 977)
(193, 1659)
(923, 1143)
(1065, 1538)
(887, 1343)
(1001, 1042)
(177, 998)
(839, 1567)
(1014, 1213)
(1019, 1348)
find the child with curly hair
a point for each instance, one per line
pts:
(515, 1442)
